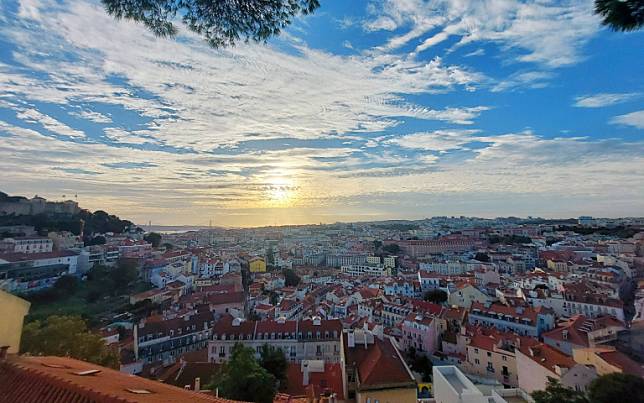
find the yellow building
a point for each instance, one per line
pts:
(607, 360)
(257, 265)
(12, 315)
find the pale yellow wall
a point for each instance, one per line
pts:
(470, 366)
(407, 395)
(587, 356)
(257, 266)
(12, 314)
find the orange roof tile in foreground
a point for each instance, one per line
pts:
(66, 380)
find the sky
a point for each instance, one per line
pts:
(363, 111)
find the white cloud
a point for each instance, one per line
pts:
(523, 80)
(207, 99)
(545, 32)
(635, 119)
(93, 116)
(440, 140)
(603, 99)
(47, 122)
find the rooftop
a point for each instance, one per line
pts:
(62, 379)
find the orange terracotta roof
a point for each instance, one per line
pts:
(547, 356)
(63, 380)
(330, 380)
(379, 364)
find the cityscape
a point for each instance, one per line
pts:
(389, 311)
(321, 201)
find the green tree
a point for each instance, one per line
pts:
(291, 279)
(168, 246)
(220, 23)
(621, 15)
(273, 298)
(557, 393)
(420, 363)
(242, 378)
(66, 285)
(436, 296)
(270, 256)
(125, 273)
(66, 336)
(482, 257)
(617, 388)
(97, 240)
(274, 361)
(392, 249)
(154, 238)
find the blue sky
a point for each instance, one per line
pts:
(362, 111)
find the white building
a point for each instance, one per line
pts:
(363, 270)
(26, 244)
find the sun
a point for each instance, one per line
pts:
(280, 191)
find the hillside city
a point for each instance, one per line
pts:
(443, 309)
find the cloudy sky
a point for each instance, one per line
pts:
(363, 111)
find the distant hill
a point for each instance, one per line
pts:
(74, 220)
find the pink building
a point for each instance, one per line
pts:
(420, 332)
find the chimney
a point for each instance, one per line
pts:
(197, 384)
(305, 373)
(3, 352)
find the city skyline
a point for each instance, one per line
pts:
(365, 111)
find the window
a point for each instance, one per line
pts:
(476, 361)
(476, 351)
(504, 358)
(489, 354)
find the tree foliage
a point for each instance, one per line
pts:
(66, 285)
(90, 223)
(97, 240)
(242, 378)
(621, 15)
(617, 388)
(291, 279)
(66, 336)
(220, 23)
(436, 296)
(419, 363)
(392, 249)
(274, 361)
(557, 393)
(482, 257)
(154, 238)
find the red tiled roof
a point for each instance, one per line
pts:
(226, 298)
(547, 356)
(427, 307)
(622, 361)
(578, 336)
(379, 365)
(328, 381)
(57, 380)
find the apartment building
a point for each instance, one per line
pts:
(307, 339)
(163, 339)
(525, 321)
(26, 244)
